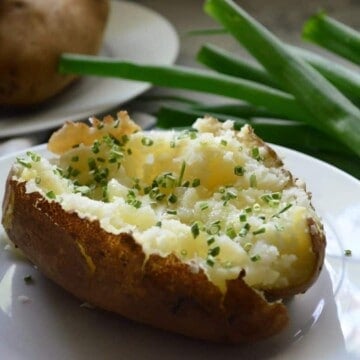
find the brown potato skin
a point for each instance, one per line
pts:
(33, 33)
(111, 272)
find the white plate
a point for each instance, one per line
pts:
(325, 322)
(133, 33)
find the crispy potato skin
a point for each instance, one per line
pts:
(111, 272)
(33, 33)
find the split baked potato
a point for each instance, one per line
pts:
(33, 34)
(200, 232)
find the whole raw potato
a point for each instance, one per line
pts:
(33, 33)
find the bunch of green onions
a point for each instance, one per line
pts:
(293, 97)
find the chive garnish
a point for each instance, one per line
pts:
(214, 251)
(195, 183)
(230, 232)
(242, 217)
(171, 211)
(223, 142)
(28, 279)
(204, 206)
(23, 162)
(259, 231)
(195, 229)
(147, 141)
(255, 258)
(239, 170)
(50, 194)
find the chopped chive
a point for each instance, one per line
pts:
(223, 142)
(239, 170)
(158, 224)
(256, 207)
(227, 264)
(50, 194)
(195, 229)
(347, 252)
(37, 180)
(92, 164)
(255, 258)
(183, 252)
(95, 147)
(129, 151)
(259, 231)
(171, 211)
(34, 157)
(172, 144)
(182, 171)
(75, 158)
(245, 229)
(147, 141)
(214, 251)
(242, 217)
(210, 262)
(23, 162)
(285, 208)
(116, 123)
(195, 183)
(248, 210)
(253, 180)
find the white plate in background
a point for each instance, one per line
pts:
(134, 33)
(325, 321)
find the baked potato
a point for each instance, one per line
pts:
(201, 232)
(33, 34)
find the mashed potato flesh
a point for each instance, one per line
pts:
(209, 195)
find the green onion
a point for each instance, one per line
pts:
(23, 162)
(182, 172)
(214, 251)
(346, 80)
(331, 111)
(292, 134)
(172, 198)
(334, 36)
(230, 232)
(185, 78)
(259, 231)
(204, 206)
(242, 217)
(147, 141)
(227, 63)
(196, 183)
(253, 181)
